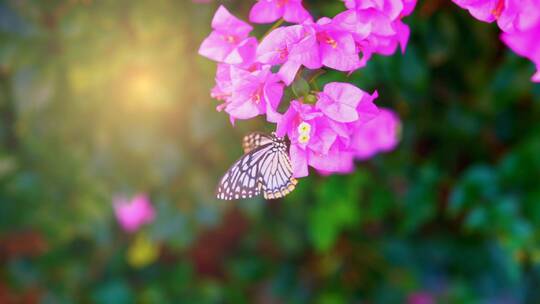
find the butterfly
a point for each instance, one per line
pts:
(265, 167)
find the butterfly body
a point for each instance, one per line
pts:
(264, 168)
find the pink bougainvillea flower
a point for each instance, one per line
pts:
(132, 214)
(268, 11)
(310, 45)
(518, 19)
(291, 47)
(376, 25)
(320, 134)
(337, 47)
(343, 102)
(229, 41)
(526, 44)
(380, 134)
(249, 93)
(511, 15)
(314, 140)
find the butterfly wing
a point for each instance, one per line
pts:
(255, 140)
(265, 167)
(276, 176)
(242, 179)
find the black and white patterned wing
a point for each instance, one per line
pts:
(255, 140)
(242, 180)
(276, 175)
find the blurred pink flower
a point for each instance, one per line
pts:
(526, 44)
(380, 134)
(229, 41)
(536, 76)
(268, 11)
(421, 297)
(132, 214)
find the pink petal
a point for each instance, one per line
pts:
(380, 23)
(536, 77)
(339, 101)
(224, 20)
(288, 71)
(343, 55)
(390, 123)
(306, 51)
(145, 209)
(480, 9)
(518, 15)
(348, 21)
(403, 34)
(273, 92)
(525, 44)
(275, 46)
(295, 12)
(245, 110)
(381, 134)
(244, 53)
(408, 7)
(393, 8)
(215, 47)
(299, 161)
(336, 161)
(132, 214)
(286, 122)
(265, 11)
(342, 130)
(322, 138)
(367, 110)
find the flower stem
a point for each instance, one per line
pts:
(316, 75)
(313, 78)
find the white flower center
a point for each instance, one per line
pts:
(303, 139)
(304, 130)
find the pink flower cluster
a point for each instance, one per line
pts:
(327, 129)
(518, 19)
(342, 125)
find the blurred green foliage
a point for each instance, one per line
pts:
(105, 97)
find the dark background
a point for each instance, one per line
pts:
(106, 97)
